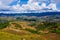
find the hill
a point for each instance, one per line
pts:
(30, 26)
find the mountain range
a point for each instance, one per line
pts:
(30, 14)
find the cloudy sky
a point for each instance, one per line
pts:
(27, 5)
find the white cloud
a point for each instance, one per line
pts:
(34, 5)
(53, 6)
(31, 5)
(5, 7)
(2, 5)
(6, 2)
(55, 1)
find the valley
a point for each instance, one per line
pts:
(30, 27)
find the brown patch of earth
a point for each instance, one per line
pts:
(52, 36)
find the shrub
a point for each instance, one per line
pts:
(17, 25)
(4, 25)
(32, 24)
(32, 31)
(56, 31)
(18, 18)
(40, 27)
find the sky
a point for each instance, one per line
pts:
(24, 6)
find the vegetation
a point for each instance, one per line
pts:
(56, 31)
(17, 25)
(4, 24)
(40, 27)
(32, 24)
(18, 18)
(9, 36)
(32, 31)
(32, 19)
(28, 27)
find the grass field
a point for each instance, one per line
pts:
(9, 36)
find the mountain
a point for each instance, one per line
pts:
(30, 14)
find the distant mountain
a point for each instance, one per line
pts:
(30, 14)
(4, 10)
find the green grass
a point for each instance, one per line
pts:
(9, 36)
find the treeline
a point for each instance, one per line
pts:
(26, 19)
